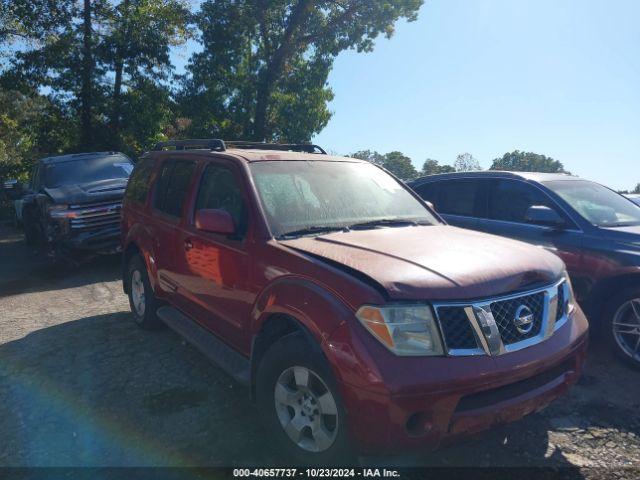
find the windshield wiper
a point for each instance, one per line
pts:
(385, 222)
(314, 229)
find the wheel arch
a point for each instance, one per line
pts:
(294, 305)
(608, 288)
(129, 252)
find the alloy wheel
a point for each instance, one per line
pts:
(137, 293)
(626, 328)
(306, 409)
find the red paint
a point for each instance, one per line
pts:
(231, 286)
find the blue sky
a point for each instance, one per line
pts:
(557, 77)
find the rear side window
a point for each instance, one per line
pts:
(509, 200)
(219, 189)
(428, 192)
(172, 186)
(458, 197)
(138, 185)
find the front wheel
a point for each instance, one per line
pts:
(299, 404)
(142, 300)
(622, 326)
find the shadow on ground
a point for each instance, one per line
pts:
(26, 269)
(99, 391)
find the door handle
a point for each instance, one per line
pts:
(187, 244)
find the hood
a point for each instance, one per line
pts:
(103, 190)
(436, 262)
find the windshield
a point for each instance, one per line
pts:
(597, 204)
(87, 170)
(298, 195)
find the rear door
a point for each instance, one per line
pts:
(508, 202)
(213, 271)
(169, 199)
(459, 201)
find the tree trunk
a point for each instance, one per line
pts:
(86, 79)
(118, 68)
(275, 67)
(117, 87)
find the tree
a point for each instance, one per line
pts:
(368, 155)
(396, 162)
(433, 167)
(137, 47)
(31, 20)
(400, 165)
(102, 57)
(262, 73)
(518, 161)
(465, 162)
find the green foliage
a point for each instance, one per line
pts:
(637, 189)
(26, 125)
(518, 161)
(433, 167)
(465, 162)
(96, 74)
(124, 89)
(263, 69)
(396, 162)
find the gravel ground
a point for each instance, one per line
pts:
(80, 385)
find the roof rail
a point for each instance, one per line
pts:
(214, 144)
(219, 145)
(295, 147)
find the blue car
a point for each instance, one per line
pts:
(595, 230)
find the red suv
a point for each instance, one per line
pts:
(354, 313)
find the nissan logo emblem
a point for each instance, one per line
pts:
(523, 319)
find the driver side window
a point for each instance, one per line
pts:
(220, 190)
(509, 200)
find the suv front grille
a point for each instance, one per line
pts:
(96, 215)
(504, 312)
(490, 326)
(457, 330)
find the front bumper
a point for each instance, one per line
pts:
(100, 240)
(397, 403)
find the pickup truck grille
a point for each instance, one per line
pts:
(96, 215)
(489, 326)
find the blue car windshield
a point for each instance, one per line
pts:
(597, 204)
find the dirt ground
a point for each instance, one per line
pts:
(81, 385)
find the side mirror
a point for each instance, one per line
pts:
(215, 221)
(430, 205)
(543, 215)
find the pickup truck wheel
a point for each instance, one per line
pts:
(622, 326)
(298, 402)
(30, 233)
(142, 300)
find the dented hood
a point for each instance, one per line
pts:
(435, 262)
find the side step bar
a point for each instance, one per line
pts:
(216, 350)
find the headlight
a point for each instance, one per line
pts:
(60, 211)
(570, 299)
(406, 330)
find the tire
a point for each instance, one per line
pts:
(30, 233)
(287, 362)
(622, 326)
(142, 300)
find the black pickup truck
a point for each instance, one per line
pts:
(73, 203)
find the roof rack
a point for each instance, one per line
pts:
(214, 144)
(294, 147)
(218, 145)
